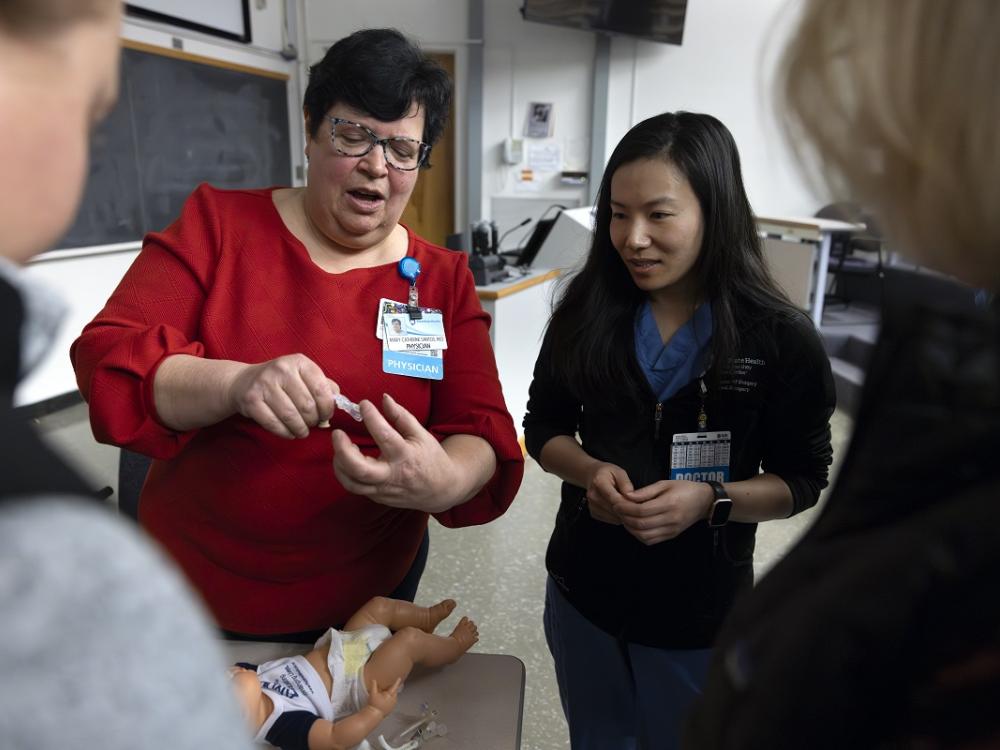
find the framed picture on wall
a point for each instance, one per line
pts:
(538, 123)
(229, 19)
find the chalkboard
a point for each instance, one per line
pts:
(179, 122)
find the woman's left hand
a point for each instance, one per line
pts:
(664, 509)
(413, 469)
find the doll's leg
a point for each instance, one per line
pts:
(396, 614)
(397, 655)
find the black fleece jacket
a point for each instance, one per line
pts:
(775, 398)
(881, 628)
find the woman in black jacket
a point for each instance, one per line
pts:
(682, 399)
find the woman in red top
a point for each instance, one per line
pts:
(226, 342)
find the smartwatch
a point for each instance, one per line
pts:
(721, 507)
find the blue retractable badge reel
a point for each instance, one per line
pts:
(409, 269)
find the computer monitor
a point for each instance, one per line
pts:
(534, 243)
(569, 241)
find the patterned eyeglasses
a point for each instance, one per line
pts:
(354, 139)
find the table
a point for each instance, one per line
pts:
(817, 232)
(480, 698)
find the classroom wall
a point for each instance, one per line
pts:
(526, 62)
(266, 20)
(724, 68)
(434, 23)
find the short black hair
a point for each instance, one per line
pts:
(382, 73)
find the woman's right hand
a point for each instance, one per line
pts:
(286, 396)
(606, 484)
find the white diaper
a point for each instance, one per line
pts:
(349, 651)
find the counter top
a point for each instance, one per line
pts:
(804, 227)
(516, 283)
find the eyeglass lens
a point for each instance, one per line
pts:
(353, 140)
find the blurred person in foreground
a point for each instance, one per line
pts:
(102, 643)
(881, 628)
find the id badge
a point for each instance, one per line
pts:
(418, 361)
(700, 456)
(426, 334)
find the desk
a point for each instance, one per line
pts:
(818, 233)
(479, 698)
(520, 309)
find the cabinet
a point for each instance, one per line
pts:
(520, 309)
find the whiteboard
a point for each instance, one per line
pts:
(230, 17)
(84, 283)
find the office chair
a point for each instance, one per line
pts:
(844, 246)
(132, 471)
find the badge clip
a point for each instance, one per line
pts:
(409, 269)
(702, 416)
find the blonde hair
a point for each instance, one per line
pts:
(900, 100)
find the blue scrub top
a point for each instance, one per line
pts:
(671, 366)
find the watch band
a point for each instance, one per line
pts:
(718, 489)
(721, 507)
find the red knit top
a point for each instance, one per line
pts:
(260, 524)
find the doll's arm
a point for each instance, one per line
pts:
(348, 732)
(254, 703)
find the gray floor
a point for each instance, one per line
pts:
(495, 572)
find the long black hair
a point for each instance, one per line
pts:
(382, 73)
(591, 327)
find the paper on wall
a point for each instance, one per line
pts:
(544, 157)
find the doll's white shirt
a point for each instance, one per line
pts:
(292, 685)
